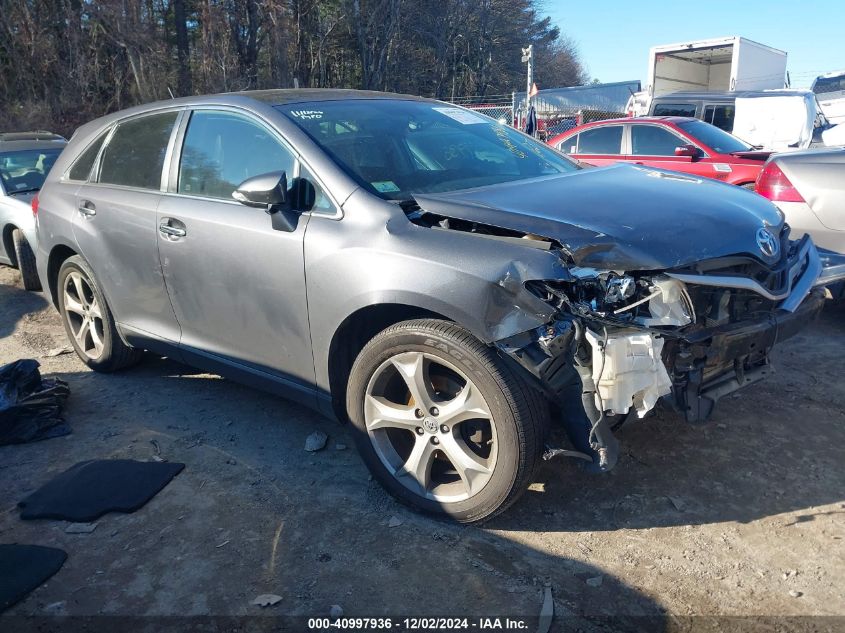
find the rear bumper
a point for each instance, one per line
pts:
(714, 363)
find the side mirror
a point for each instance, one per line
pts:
(687, 150)
(266, 190)
(269, 192)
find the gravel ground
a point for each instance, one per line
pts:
(742, 516)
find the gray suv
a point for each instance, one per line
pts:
(444, 282)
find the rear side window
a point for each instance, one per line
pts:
(134, 156)
(82, 167)
(222, 149)
(722, 116)
(650, 140)
(601, 140)
(674, 109)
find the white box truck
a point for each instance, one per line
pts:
(725, 63)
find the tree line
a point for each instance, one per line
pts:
(64, 62)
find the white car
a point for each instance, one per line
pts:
(809, 187)
(25, 160)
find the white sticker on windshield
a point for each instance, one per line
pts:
(385, 186)
(307, 114)
(463, 116)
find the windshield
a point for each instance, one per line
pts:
(719, 140)
(25, 170)
(824, 85)
(396, 148)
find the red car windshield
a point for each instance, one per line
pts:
(719, 140)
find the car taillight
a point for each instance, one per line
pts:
(773, 184)
(34, 204)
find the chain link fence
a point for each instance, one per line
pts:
(558, 109)
(552, 118)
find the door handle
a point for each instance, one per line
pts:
(171, 231)
(87, 208)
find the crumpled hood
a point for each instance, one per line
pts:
(621, 217)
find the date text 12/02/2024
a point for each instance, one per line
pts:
(422, 624)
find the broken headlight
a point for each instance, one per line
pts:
(648, 300)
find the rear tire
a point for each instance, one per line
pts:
(88, 320)
(26, 261)
(474, 449)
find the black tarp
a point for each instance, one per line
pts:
(30, 406)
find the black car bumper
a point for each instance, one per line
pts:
(712, 363)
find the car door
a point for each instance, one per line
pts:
(237, 285)
(654, 145)
(116, 230)
(600, 145)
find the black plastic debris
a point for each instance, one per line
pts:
(24, 568)
(88, 490)
(30, 406)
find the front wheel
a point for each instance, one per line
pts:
(88, 320)
(26, 261)
(443, 422)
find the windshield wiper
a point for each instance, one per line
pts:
(11, 193)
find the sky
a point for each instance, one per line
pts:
(614, 39)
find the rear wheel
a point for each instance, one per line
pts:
(26, 261)
(88, 321)
(443, 423)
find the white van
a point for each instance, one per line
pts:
(769, 119)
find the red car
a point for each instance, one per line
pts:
(681, 144)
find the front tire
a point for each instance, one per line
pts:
(88, 320)
(443, 423)
(26, 261)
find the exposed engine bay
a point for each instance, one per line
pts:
(622, 341)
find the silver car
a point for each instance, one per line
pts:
(25, 160)
(447, 284)
(809, 187)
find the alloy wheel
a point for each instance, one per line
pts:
(83, 314)
(431, 426)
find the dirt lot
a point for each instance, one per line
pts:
(743, 516)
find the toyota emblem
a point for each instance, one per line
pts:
(767, 242)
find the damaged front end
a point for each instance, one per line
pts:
(621, 341)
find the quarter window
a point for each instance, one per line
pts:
(601, 140)
(82, 167)
(222, 149)
(650, 140)
(134, 156)
(312, 197)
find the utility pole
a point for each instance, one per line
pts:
(528, 58)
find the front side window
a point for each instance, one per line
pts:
(81, 169)
(396, 148)
(601, 140)
(25, 170)
(722, 116)
(650, 140)
(674, 109)
(134, 156)
(222, 149)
